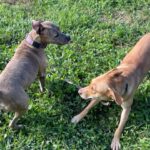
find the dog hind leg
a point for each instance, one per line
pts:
(13, 122)
(20, 107)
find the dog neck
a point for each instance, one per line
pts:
(35, 43)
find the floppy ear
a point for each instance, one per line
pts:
(113, 94)
(37, 26)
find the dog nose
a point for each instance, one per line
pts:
(68, 38)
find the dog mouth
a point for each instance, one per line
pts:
(63, 43)
(86, 98)
(66, 39)
(92, 97)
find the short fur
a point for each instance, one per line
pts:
(27, 62)
(119, 84)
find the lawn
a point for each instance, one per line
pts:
(102, 33)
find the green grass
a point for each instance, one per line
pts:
(102, 33)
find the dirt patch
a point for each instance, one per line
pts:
(14, 2)
(122, 17)
(117, 17)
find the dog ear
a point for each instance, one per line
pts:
(37, 26)
(113, 94)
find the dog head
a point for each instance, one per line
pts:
(47, 32)
(104, 87)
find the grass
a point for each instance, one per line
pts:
(102, 33)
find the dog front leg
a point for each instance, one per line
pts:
(42, 83)
(42, 71)
(80, 116)
(42, 74)
(115, 145)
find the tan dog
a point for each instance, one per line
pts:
(119, 85)
(28, 61)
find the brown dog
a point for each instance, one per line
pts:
(28, 61)
(119, 85)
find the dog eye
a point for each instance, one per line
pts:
(56, 35)
(93, 89)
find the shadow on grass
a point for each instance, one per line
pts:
(95, 130)
(56, 123)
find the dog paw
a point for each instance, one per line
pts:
(115, 145)
(75, 119)
(16, 127)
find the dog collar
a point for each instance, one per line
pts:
(34, 43)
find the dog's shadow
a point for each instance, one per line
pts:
(55, 120)
(64, 103)
(63, 99)
(65, 94)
